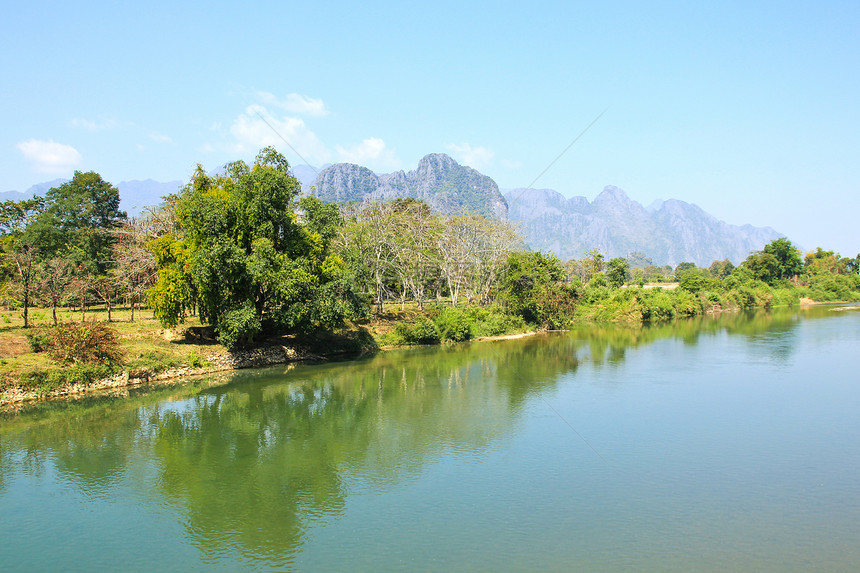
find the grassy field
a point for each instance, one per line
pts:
(144, 342)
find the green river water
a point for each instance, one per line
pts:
(727, 444)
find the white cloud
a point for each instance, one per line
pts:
(50, 156)
(296, 103)
(475, 157)
(93, 125)
(257, 128)
(161, 138)
(370, 153)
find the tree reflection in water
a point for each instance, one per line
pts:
(256, 463)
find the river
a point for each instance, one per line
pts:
(728, 443)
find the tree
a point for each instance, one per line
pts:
(683, 268)
(821, 261)
(366, 242)
(617, 271)
(787, 256)
(594, 263)
(763, 266)
(243, 257)
(134, 265)
(721, 269)
(54, 277)
(20, 245)
(532, 287)
(78, 220)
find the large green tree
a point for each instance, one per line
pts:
(532, 286)
(79, 221)
(248, 259)
(787, 256)
(779, 260)
(617, 271)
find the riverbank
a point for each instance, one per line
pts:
(155, 354)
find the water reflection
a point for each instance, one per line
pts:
(255, 464)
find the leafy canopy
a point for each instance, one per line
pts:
(251, 258)
(78, 220)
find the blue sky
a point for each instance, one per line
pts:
(749, 109)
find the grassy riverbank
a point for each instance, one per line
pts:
(150, 352)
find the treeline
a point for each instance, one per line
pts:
(245, 252)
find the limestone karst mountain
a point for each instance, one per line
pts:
(668, 233)
(438, 180)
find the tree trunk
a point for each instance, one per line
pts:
(26, 302)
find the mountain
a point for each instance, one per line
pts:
(37, 189)
(668, 232)
(440, 181)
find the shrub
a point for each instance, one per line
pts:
(494, 323)
(238, 326)
(85, 343)
(454, 324)
(39, 340)
(195, 361)
(422, 330)
(655, 304)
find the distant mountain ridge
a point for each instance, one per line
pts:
(134, 195)
(668, 232)
(438, 180)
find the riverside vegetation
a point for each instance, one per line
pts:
(240, 260)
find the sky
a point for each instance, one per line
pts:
(748, 109)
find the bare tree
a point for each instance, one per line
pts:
(135, 270)
(54, 277)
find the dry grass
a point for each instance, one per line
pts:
(144, 342)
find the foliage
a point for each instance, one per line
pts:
(39, 340)
(721, 269)
(779, 260)
(684, 268)
(421, 330)
(45, 381)
(85, 343)
(617, 271)
(694, 282)
(77, 221)
(244, 259)
(531, 287)
(455, 324)
(787, 257)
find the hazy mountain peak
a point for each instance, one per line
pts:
(615, 224)
(612, 194)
